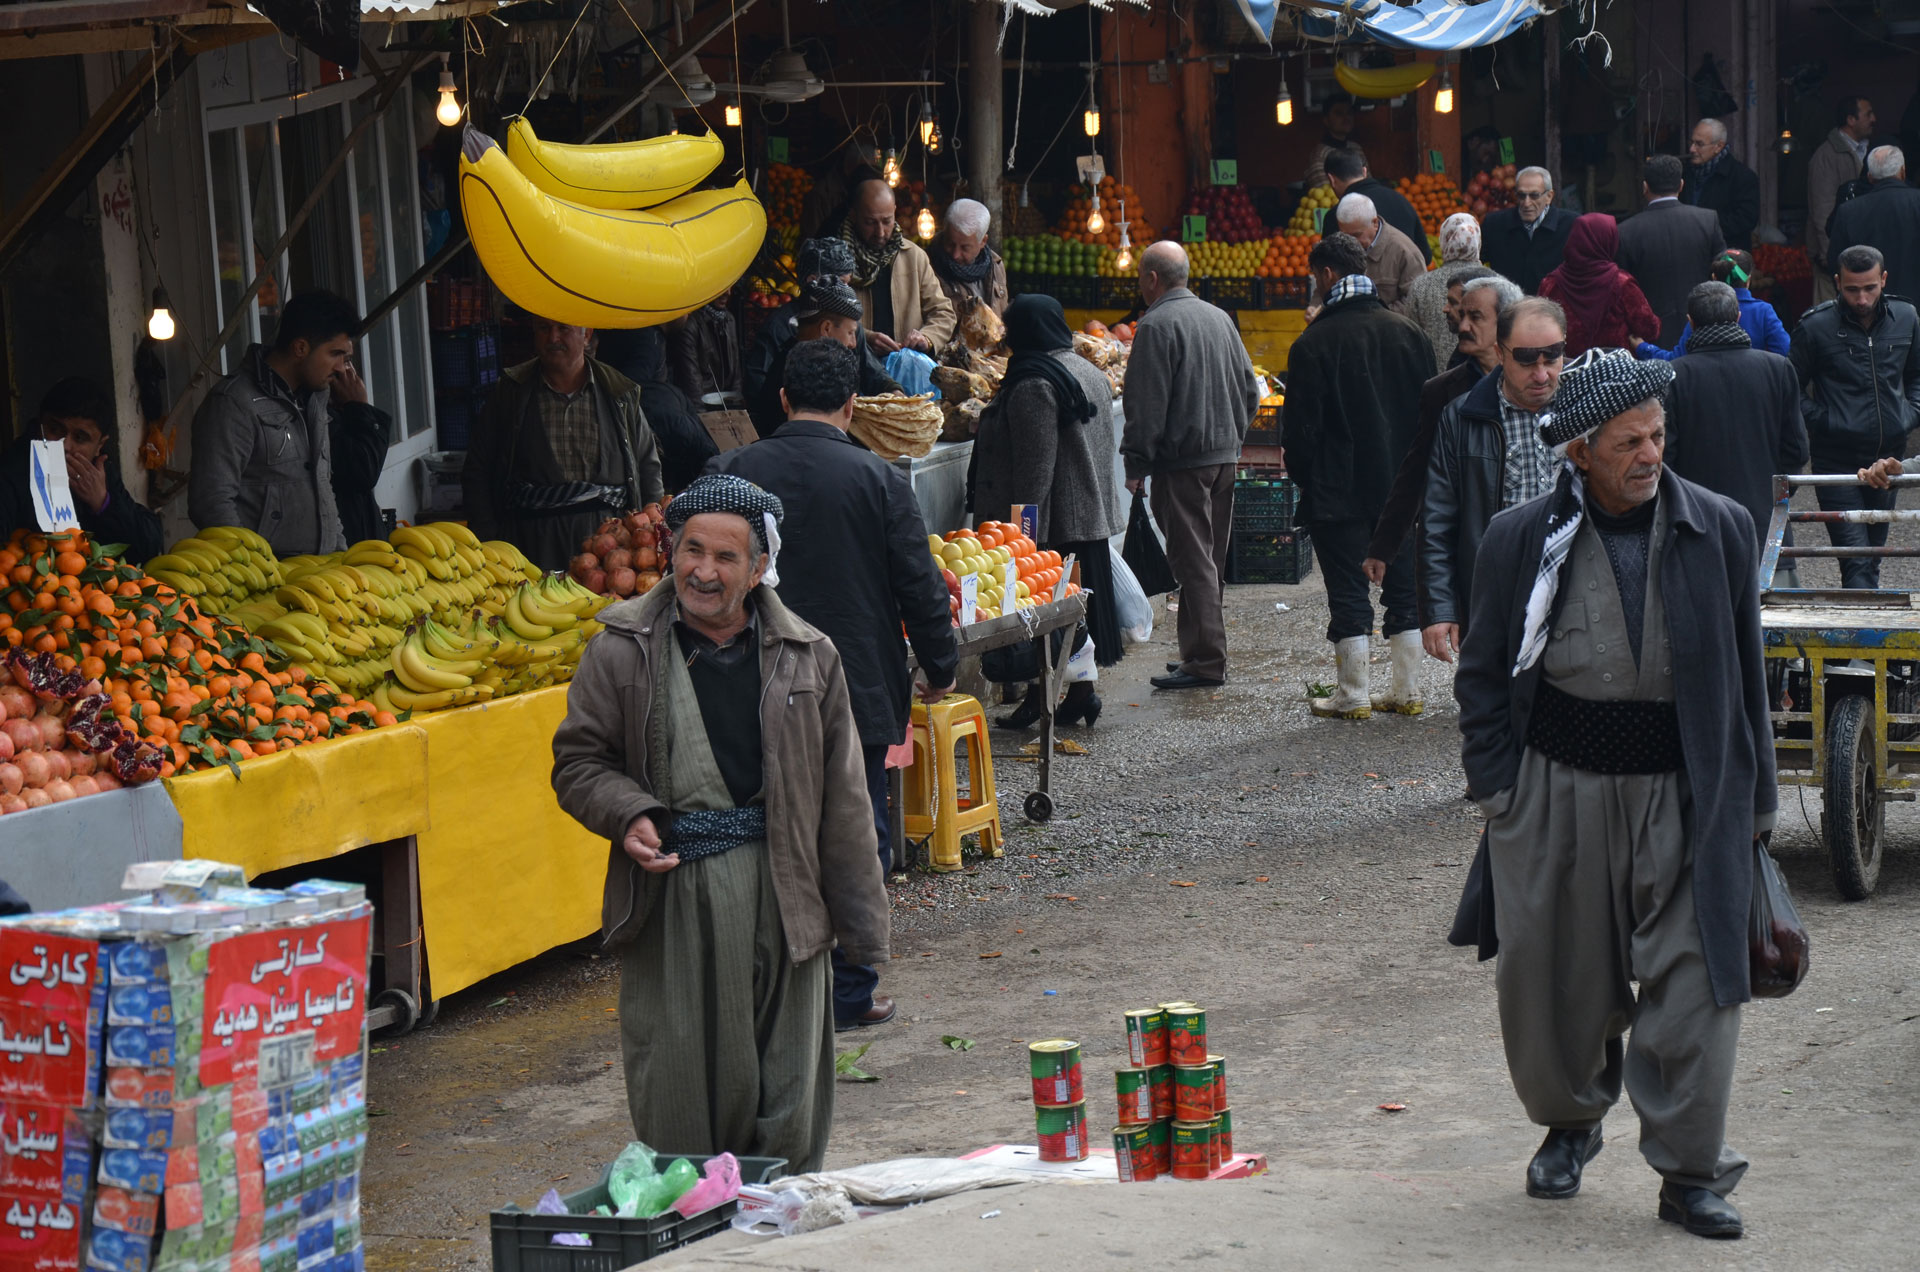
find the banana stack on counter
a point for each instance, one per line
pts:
(220, 568)
(534, 641)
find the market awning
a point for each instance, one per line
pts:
(1435, 25)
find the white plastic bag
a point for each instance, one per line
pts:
(1130, 600)
(1080, 664)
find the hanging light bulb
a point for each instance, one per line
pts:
(892, 170)
(733, 114)
(1090, 120)
(1786, 141)
(448, 111)
(1283, 105)
(928, 128)
(1096, 224)
(924, 226)
(1123, 259)
(1443, 97)
(933, 142)
(160, 321)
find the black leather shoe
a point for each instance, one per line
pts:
(1554, 1172)
(880, 1013)
(1173, 666)
(1700, 1211)
(1032, 707)
(1181, 680)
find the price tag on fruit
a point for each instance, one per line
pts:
(1320, 220)
(1193, 229)
(1226, 172)
(776, 150)
(969, 598)
(1506, 150)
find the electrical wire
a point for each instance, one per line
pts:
(557, 51)
(1019, 94)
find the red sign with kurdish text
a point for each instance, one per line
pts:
(38, 1235)
(283, 981)
(47, 986)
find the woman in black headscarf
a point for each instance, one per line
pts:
(685, 444)
(1048, 440)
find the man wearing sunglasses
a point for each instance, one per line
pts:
(1487, 456)
(1526, 241)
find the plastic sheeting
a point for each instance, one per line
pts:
(1434, 25)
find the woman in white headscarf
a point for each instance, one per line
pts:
(1427, 297)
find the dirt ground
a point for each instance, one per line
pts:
(1296, 877)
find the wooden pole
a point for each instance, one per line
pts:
(1550, 98)
(986, 151)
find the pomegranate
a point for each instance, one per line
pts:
(24, 734)
(83, 786)
(596, 581)
(622, 581)
(59, 790)
(647, 582)
(623, 537)
(41, 675)
(6, 745)
(83, 762)
(17, 701)
(60, 765)
(619, 559)
(51, 729)
(35, 797)
(11, 779)
(645, 559)
(12, 804)
(646, 537)
(134, 761)
(35, 769)
(105, 781)
(601, 544)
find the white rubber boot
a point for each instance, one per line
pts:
(1405, 695)
(1350, 700)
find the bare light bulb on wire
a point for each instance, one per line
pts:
(1283, 105)
(892, 170)
(1096, 224)
(928, 128)
(1443, 96)
(1090, 120)
(160, 321)
(733, 114)
(448, 112)
(924, 226)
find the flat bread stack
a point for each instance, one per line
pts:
(894, 424)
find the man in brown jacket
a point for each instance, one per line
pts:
(1393, 262)
(899, 292)
(709, 737)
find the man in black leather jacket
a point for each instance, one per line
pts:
(1486, 456)
(1858, 358)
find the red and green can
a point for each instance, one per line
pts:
(1133, 1154)
(1160, 1080)
(1192, 1150)
(1056, 1072)
(1063, 1131)
(1215, 1158)
(1223, 1134)
(1192, 1092)
(1187, 1034)
(1161, 1136)
(1136, 1096)
(1219, 1066)
(1147, 1037)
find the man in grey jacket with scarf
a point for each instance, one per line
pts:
(1613, 706)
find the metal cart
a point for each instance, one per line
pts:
(1843, 674)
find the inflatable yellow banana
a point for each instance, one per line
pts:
(1391, 81)
(596, 267)
(632, 174)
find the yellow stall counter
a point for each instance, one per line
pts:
(504, 874)
(309, 803)
(1269, 334)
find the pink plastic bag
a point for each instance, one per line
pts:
(722, 1183)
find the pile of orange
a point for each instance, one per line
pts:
(1287, 256)
(1434, 196)
(787, 188)
(204, 690)
(1038, 569)
(1117, 202)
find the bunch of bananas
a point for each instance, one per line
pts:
(534, 641)
(219, 568)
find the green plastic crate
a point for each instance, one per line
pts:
(1283, 557)
(523, 1241)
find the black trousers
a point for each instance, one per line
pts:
(1341, 546)
(1855, 571)
(853, 983)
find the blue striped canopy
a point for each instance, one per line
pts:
(1435, 25)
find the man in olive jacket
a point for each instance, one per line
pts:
(709, 739)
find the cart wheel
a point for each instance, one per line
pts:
(407, 1011)
(1856, 817)
(428, 1014)
(1039, 806)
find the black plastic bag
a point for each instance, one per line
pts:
(1778, 951)
(1142, 551)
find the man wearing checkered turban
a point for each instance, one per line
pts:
(710, 740)
(1614, 709)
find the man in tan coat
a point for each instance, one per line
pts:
(1841, 158)
(709, 738)
(898, 290)
(1393, 262)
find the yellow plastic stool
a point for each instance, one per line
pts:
(935, 807)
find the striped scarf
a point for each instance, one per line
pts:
(869, 264)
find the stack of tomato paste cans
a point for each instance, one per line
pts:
(1059, 1100)
(183, 1082)
(1174, 1118)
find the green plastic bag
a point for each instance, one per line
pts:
(639, 1190)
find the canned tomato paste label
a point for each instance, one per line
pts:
(1056, 1072)
(1063, 1132)
(1136, 1096)
(1187, 1035)
(1215, 1157)
(1133, 1154)
(1223, 1132)
(1147, 1037)
(1191, 1151)
(1160, 1135)
(1160, 1080)
(1219, 1066)
(1192, 1093)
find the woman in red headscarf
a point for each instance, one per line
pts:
(1605, 308)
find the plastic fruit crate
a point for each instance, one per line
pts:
(1265, 429)
(1265, 507)
(523, 1241)
(1284, 556)
(1230, 292)
(1119, 293)
(1284, 293)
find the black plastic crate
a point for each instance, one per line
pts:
(1265, 507)
(1119, 293)
(1283, 556)
(523, 1241)
(1284, 293)
(454, 415)
(1230, 292)
(1265, 429)
(466, 359)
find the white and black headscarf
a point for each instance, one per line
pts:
(724, 492)
(1594, 388)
